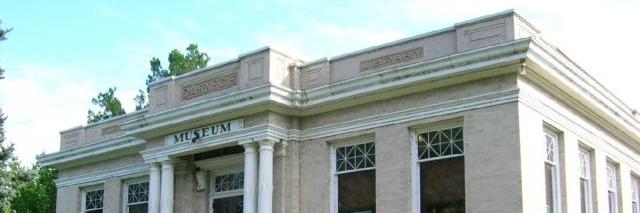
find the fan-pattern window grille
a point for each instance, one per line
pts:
(440, 144)
(551, 149)
(94, 200)
(584, 164)
(355, 157)
(229, 182)
(611, 177)
(138, 193)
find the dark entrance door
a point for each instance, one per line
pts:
(227, 205)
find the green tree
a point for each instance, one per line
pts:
(40, 190)
(3, 37)
(7, 161)
(110, 105)
(141, 100)
(178, 63)
(7, 158)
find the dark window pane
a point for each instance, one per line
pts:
(442, 186)
(228, 205)
(585, 201)
(612, 203)
(357, 192)
(95, 211)
(138, 208)
(548, 172)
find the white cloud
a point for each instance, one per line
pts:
(220, 54)
(321, 39)
(288, 44)
(356, 36)
(40, 100)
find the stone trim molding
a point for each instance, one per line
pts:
(300, 101)
(93, 150)
(276, 133)
(582, 132)
(367, 123)
(256, 133)
(96, 177)
(572, 76)
(541, 60)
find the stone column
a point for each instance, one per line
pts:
(166, 195)
(265, 187)
(250, 178)
(154, 188)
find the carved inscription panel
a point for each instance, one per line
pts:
(485, 32)
(209, 85)
(110, 130)
(391, 59)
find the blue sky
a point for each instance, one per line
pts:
(61, 54)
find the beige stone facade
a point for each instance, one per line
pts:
(494, 76)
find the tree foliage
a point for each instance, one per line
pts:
(7, 158)
(179, 63)
(7, 165)
(6, 150)
(40, 189)
(109, 104)
(3, 36)
(141, 100)
(3, 32)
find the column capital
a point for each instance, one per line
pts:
(266, 144)
(167, 163)
(249, 145)
(154, 167)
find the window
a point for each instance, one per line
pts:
(612, 187)
(93, 199)
(440, 158)
(586, 205)
(137, 196)
(552, 172)
(227, 187)
(635, 192)
(354, 177)
(229, 182)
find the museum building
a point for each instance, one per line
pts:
(482, 116)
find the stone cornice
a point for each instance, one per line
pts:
(275, 133)
(553, 72)
(256, 133)
(93, 152)
(543, 61)
(309, 102)
(455, 69)
(582, 131)
(94, 177)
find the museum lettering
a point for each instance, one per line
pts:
(192, 136)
